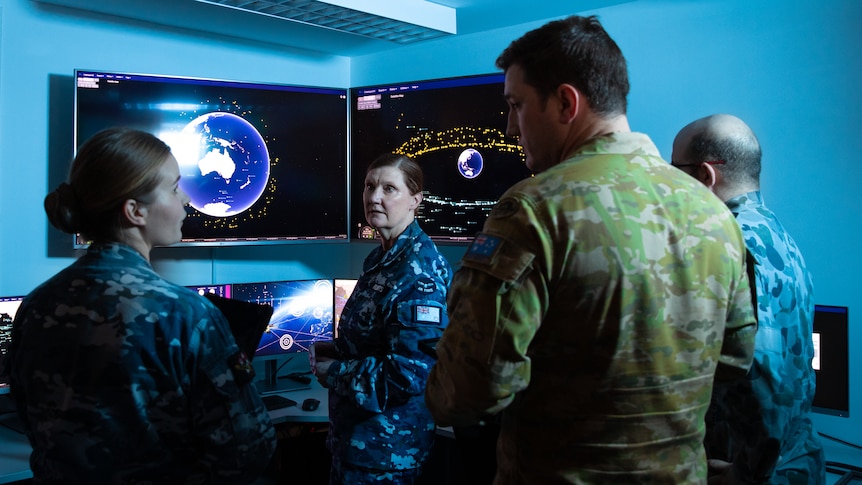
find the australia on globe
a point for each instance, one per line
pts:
(470, 163)
(224, 163)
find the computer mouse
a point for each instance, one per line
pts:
(310, 404)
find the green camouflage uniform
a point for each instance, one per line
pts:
(595, 308)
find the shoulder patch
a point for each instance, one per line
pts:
(505, 208)
(427, 314)
(240, 365)
(483, 248)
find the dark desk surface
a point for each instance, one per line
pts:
(15, 458)
(15, 455)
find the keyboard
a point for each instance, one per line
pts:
(274, 401)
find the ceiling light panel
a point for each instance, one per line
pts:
(399, 21)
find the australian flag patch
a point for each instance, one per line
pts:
(240, 365)
(483, 248)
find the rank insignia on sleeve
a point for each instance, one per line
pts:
(240, 365)
(483, 248)
(427, 313)
(425, 285)
(505, 208)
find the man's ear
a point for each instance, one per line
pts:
(570, 102)
(135, 212)
(708, 175)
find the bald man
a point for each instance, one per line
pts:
(759, 430)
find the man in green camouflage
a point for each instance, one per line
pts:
(602, 296)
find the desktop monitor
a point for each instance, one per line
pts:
(262, 163)
(455, 128)
(831, 360)
(302, 313)
(8, 308)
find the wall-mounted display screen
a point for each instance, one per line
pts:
(455, 129)
(262, 163)
(831, 360)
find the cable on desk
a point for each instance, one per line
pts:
(852, 445)
(839, 468)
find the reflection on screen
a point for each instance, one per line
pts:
(343, 290)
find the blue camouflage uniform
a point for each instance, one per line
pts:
(766, 419)
(123, 377)
(593, 311)
(379, 424)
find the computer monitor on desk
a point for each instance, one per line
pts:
(8, 308)
(831, 360)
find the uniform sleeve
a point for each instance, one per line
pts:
(400, 370)
(228, 416)
(496, 304)
(737, 348)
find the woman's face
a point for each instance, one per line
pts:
(166, 206)
(389, 205)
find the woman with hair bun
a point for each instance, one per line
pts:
(119, 375)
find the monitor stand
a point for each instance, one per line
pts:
(271, 383)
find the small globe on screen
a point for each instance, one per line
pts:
(470, 163)
(224, 163)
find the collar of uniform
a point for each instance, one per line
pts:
(748, 199)
(402, 244)
(621, 142)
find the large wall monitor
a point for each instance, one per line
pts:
(262, 163)
(456, 129)
(831, 360)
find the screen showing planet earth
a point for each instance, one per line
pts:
(224, 163)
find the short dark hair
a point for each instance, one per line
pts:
(114, 165)
(740, 152)
(577, 51)
(413, 176)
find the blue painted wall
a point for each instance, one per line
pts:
(791, 68)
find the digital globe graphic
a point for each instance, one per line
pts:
(224, 163)
(470, 163)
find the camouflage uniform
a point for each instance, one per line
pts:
(379, 421)
(123, 377)
(769, 414)
(593, 310)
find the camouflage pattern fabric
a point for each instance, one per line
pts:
(593, 311)
(378, 419)
(123, 377)
(763, 423)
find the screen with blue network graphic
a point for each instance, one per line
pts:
(455, 128)
(302, 311)
(262, 163)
